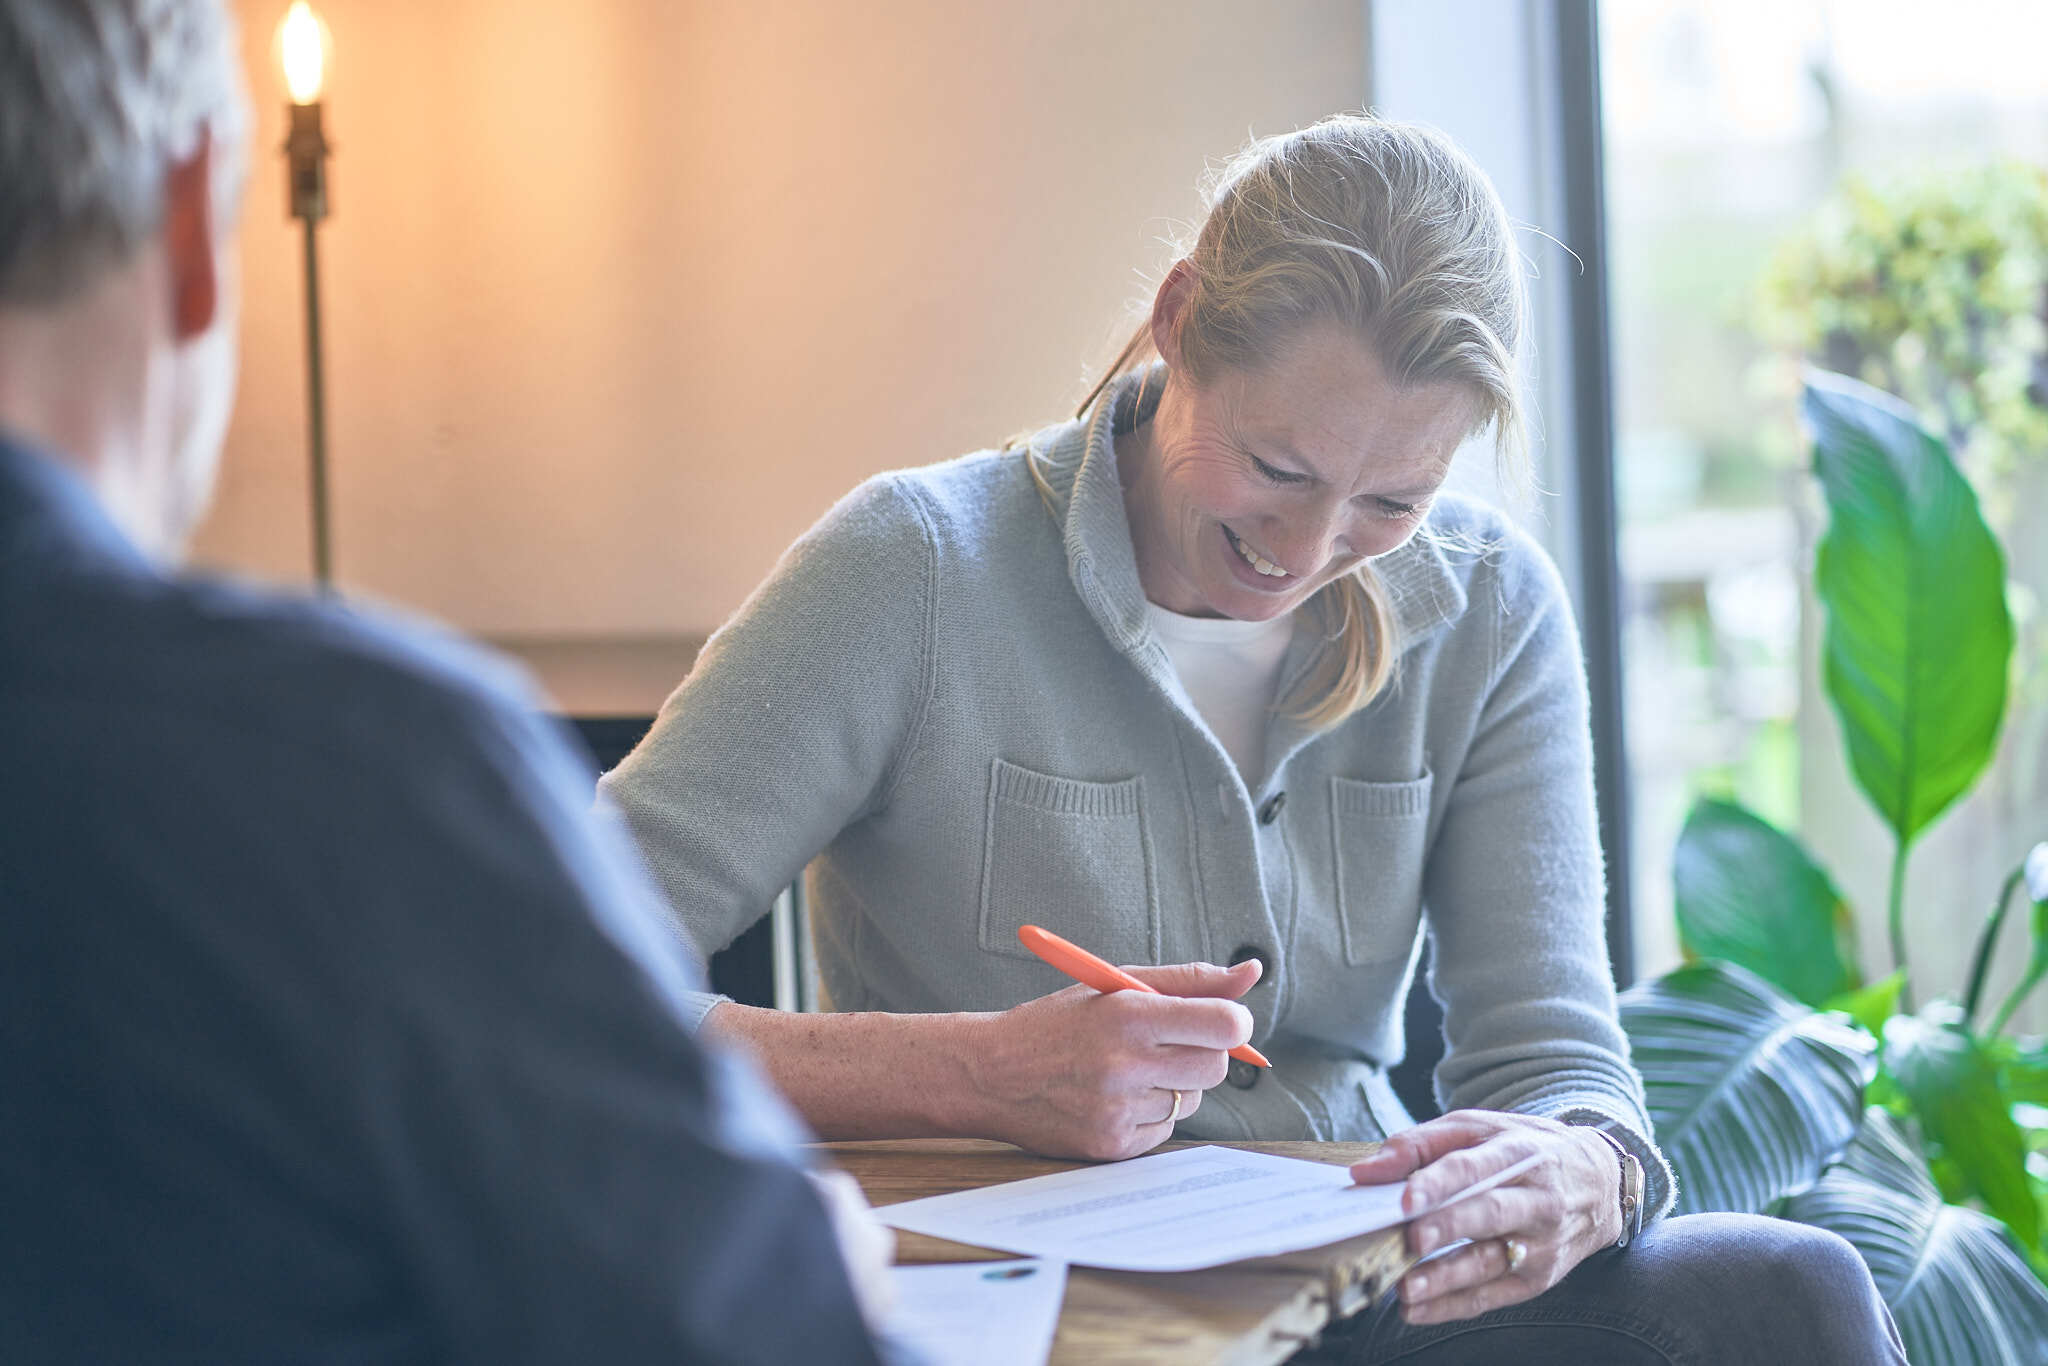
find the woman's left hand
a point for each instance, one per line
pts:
(1555, 1214)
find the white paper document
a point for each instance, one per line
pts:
(984, 1313)
(1177, 1211)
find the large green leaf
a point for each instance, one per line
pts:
(2022, 1071)
(1953, 1084)
(1751, 1093)
(1918, 637)
(1960, 1293)
(1749, 895)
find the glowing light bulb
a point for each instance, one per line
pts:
(302, 44)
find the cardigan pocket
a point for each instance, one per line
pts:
(1072, 856)
(1379, 831)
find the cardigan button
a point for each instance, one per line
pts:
(1270, 812)
(1244, 953)
(1243, 1075)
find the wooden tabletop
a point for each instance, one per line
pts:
(1245, 1314)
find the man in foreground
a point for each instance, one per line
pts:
(331, 1029)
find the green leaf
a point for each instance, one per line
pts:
(1749, 895)
(1885, 1092)
(1918, 638)
(1960, 1293)
(1987, 944)
(1953, 1085)
(2022, 1072)
(2035, 873)
(1751, 1093)
(2038, 964)
(1871, 1006)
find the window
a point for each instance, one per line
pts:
(1728, 127)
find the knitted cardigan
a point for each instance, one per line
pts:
(946, 700)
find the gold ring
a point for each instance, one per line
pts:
(1518, 1252)
(1174, 1118)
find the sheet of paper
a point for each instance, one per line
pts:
(990, 1313)
(1177, 1211)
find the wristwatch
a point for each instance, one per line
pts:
(1631, 1190)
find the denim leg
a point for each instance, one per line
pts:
(1699, 1290)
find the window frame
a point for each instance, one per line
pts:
(1516, 82)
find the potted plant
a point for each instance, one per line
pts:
(1780, 1081)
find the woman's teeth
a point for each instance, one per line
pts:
(1256, 560)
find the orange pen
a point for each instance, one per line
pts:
(1085, 968)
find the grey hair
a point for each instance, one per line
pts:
(98, 99)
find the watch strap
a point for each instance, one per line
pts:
(1631, 1199)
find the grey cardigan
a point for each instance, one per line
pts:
(949, 698)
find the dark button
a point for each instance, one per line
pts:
(1244, 953)
(1270, 812)
(1243, 1075)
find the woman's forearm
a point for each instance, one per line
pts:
(1078, 1073)
(865, 1074)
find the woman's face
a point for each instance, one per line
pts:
(1248, 494)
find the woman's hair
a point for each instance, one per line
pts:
(1387, 229)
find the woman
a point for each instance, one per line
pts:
(1215, 674)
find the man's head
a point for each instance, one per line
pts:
(122, 149)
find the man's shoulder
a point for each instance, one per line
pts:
(282, 670)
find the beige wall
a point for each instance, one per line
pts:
(622, 295)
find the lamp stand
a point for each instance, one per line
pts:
(306, 157)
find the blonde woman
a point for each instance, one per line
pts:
(1216, 678)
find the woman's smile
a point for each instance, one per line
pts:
(1265, 574)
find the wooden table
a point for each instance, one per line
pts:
(1245, 1314)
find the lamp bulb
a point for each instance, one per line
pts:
(302, 43)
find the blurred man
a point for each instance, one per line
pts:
(330, 1028)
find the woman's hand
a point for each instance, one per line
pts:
(1081, 1073)
(1557, 1213)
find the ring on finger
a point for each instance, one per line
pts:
(1517, 1253)
(1174, 1118)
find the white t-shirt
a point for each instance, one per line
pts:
(1230, 669)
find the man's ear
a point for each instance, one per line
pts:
(189, 242)
(1175, 292)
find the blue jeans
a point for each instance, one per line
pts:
(1700, 1290)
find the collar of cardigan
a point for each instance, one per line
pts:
(1079, 460)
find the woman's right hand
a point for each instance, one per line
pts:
(1081, 1073)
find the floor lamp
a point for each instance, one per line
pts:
(303, 48)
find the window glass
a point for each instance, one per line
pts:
(1735, 132)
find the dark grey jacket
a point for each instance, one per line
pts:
(331, 1030)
